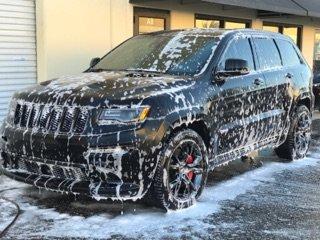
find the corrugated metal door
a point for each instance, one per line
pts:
(17, 48)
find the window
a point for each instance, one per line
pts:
(294, 32)
(291, 32)
(288, 53)
(205, 21)
(268, 54)
(271, 29)
(234, 25)
(238, 49)
(316, 66)
(150, 24)
(150, 20)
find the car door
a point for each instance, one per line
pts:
(239, 100)
(293, 74)
(277, 94)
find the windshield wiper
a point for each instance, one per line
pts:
(124, 70)
(141, 71)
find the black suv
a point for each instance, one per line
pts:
(153, 116)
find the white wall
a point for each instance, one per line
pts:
(71, 32)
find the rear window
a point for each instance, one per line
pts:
(268, 54)
(289, 54)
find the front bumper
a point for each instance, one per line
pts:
(98, 190)
(116, 173)
(110, 166)
(75, 179)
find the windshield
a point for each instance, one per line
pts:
(178, 53)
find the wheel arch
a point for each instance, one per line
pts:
(198, 125)
(306, 102)
(306, 99)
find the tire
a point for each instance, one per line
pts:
(298, 139)
(177, 169)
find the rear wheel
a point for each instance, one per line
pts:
(182, 173)
(298, 140)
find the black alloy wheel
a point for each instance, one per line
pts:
(182, 174)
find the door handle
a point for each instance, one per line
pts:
(289, 75)
(258, 81)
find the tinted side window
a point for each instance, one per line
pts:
(267, 52)
(288, 53)
(238, 49)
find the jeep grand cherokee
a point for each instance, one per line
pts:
(153, 116)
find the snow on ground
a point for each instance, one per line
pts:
(144, 222)
(7, 213)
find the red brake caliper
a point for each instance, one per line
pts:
(190, 160)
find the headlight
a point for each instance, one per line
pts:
(124, 115)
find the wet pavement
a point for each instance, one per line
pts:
(264, 199)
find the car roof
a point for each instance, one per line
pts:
(221, 32)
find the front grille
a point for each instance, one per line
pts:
(67, 120)
(50, 118)
(56, 171)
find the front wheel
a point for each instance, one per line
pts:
(182, 173)
(298, 140)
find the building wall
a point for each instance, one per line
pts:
(309, 26)
(181, 19)
(308, 40)
(70, 33)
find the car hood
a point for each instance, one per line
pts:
(104, 88)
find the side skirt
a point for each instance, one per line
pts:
(225, 158)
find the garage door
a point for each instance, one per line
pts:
(17, 48)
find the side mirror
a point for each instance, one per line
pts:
(233, 67)
(94, 61)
